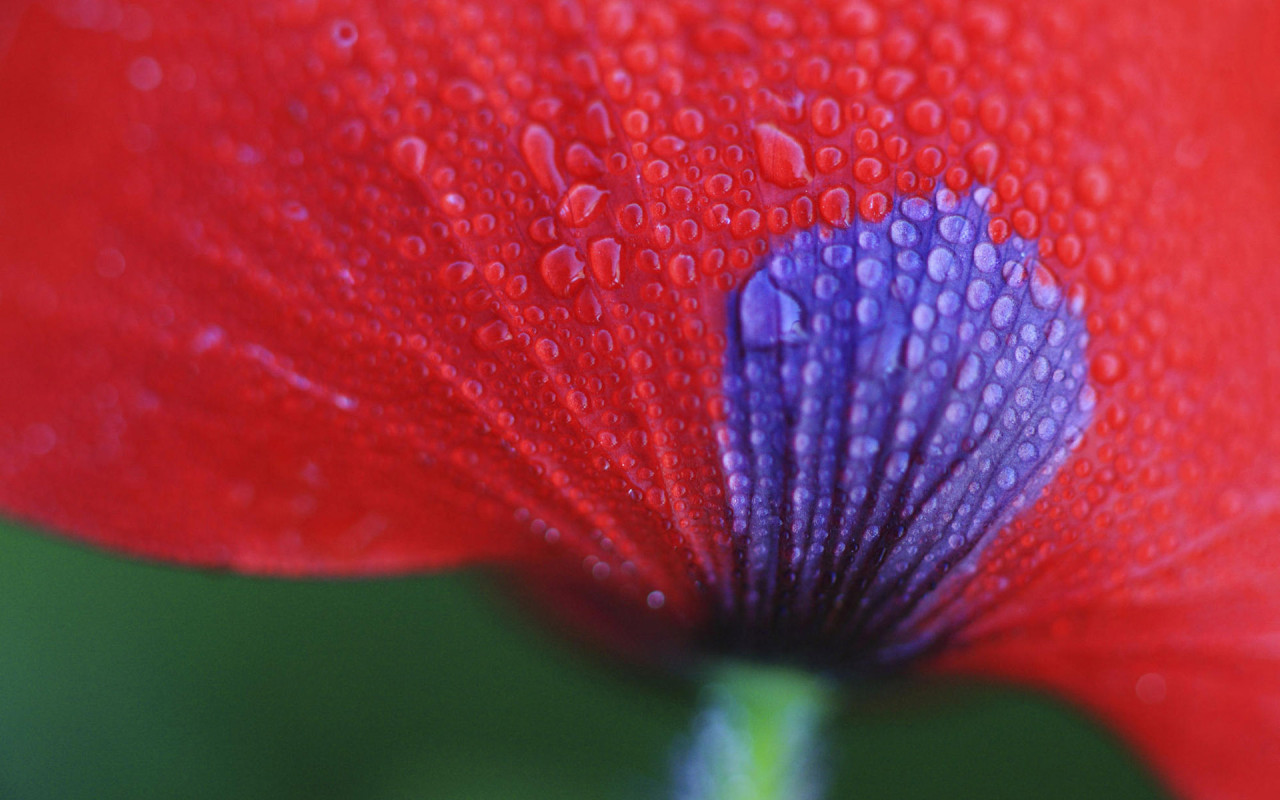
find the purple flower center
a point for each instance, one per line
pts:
(897, 390)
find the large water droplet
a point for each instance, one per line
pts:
(784, 161)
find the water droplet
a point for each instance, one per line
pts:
(582, 204)
(1108, 367)
(605, 257)
(458, 273)
(1151, 688)
(563, 269)
(837, 256)
(956, 229)
(941, 264)
(868, 311)
(768, 316)
(969, 373)
(904, 234)
(409, 156)
(1046, 292)
(836, 207)
(925, 116)
(547, 350)
(493, 334)
(869, 169)
(39, 439)
(539, 149)
(870, 272)
(145, 73)
(784, 161)
(1094, 186)
(1003, 312)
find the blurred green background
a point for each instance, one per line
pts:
(127, 680)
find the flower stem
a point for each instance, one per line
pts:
(758, 737)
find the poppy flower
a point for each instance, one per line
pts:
(914, 335)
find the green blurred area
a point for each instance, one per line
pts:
(128, 680)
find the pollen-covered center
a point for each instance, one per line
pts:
(896, 391)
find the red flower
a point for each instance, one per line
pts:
(646, 300)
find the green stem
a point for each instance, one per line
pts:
(758, 737)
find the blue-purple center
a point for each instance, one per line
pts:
(897, 391)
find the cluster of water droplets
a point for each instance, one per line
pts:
(529, 210)
(896, 391)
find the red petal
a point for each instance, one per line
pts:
(189, 382)
(1142, 584)
(261, 311)
(1179, 654)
